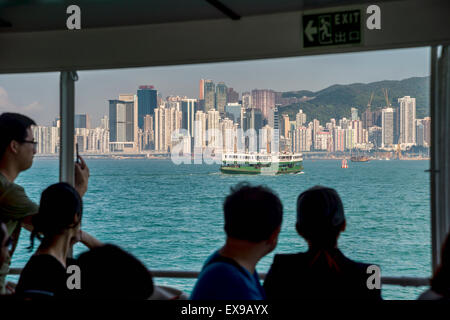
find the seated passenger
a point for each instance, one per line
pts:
(108, 272)
(322, 272)
(440, 283)
(57, 225)
(253, 218)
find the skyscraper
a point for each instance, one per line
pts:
(300, 118)
(200, 129)
(201, 94)
(354, 112)
(232, 96)
(167, 120)
(233, 111)
(82, 121)
(387, 127)
(263, 100)
(407, 120)
(188, 109)
(247, 100)
(213, 129)
(121, 121)
(221, 98)
(210, 95)
(285, 126)
(147, 101)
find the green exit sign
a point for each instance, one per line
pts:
(334, 28)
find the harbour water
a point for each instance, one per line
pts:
(170, 216)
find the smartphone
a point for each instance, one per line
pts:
(78, 155)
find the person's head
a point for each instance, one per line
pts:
(60, 212)
(253, 214)
(440, 282)
(108, 272)
(320, 217)
(16, 139)
(5, 242)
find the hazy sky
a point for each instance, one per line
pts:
(37, 95)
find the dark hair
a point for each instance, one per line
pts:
(252, 213)
(110, 272)
(440, 283)
(320, 217)
(13, 126)
(59, 205)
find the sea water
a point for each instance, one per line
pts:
(170, 216)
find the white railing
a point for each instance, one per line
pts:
(395, 281)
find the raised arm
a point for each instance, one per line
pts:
(89, 241)
(81, 176)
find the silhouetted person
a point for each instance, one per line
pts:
(322, 272)
(58, 226)
(440, 283)
(17, 149)
(108, 272)
(253, 217)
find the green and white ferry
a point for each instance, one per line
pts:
(261, 163)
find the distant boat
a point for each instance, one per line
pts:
(359, 159)
(344, 164)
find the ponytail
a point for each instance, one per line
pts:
(60, 204)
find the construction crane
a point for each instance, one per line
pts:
(370, 101)
(385, 92)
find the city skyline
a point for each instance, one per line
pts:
(37, 95)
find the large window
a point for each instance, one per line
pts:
(331, 109)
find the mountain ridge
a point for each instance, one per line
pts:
(336, 100)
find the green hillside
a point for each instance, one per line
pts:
(336, 101)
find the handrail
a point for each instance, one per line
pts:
(395, 281)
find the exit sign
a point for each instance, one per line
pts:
(334, 28)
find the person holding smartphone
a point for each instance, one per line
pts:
(17, 150)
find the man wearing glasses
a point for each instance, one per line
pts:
(17, 149)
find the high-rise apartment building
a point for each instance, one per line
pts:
(300, 119)
(263, 100)
(167, 120)
(354, 113)
(47, 139)
(104, 123)
(387, 127)
(233, 111)
(285, 126)
(247, 100)
(407, 120)
(213, 129)
(200, 129)
(375, 136)
(338, 139)
(232, 96)
(427, 131)
(147, 101)
(302, 139)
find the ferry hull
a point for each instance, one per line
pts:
(253, 170)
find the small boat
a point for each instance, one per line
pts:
(359, 159)
(344, 164)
